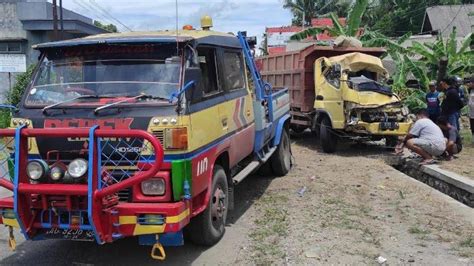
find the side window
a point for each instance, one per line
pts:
(330, 75)
(233, 71)
(208, 63)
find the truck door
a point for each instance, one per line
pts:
(328, 92)
(238, 106)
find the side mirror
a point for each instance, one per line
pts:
(193, 74)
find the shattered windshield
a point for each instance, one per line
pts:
(115, 72)
(360, 82)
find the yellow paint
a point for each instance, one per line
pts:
(178, 218)
(148, 229)
(10, 222)
(151, 229)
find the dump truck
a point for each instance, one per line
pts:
(339, 93)
(141, 134)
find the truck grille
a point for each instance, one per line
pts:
(159, 134)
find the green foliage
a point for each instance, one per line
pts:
(22, 81)
(314, 9)
(108, 27)
(460, 61)
(350, 29)
(395, 18)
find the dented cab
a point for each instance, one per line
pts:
(350, 90)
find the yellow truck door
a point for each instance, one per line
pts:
(328, 92)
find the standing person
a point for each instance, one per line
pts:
(470, 88)
(454, 141)
(433, 102)
(425, 138)
(452, 104)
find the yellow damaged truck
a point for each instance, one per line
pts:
(339, 93)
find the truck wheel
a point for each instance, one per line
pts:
(327, 137)
(391, 142)
(208, 227)
(281, 159)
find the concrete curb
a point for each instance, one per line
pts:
(456, 186)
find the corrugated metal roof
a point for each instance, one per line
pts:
(444, 18)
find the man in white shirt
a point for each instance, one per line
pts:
(425, 138)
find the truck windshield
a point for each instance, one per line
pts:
(112, 73)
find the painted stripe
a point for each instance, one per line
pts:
(11, 222)
(237, 110)
(132, 219)
(242, 111)
(171, 157)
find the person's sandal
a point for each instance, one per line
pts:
(432, 161)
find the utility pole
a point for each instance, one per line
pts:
(55, 20)
(61, 18)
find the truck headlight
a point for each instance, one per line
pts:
(77, 168)
(36, 169)
(153, 187)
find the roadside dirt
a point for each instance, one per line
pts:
(355, 208)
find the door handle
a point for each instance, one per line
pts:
(224, 122)
(319, 98)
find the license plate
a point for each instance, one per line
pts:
(389, 125)
(69, 234)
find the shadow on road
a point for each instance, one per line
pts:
(127, 251)
(345, 148)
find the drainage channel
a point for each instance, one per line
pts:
(456, 186)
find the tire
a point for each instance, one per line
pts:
(328, 139)
(208, 227)
(281, 159)
(391, 142)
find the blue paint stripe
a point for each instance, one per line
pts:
(89, 182)
(16, 180)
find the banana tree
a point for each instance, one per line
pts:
(351, 29)
(459, 60)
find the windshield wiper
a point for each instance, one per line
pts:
(141, 96)
(46, 108)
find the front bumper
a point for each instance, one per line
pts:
(375, 129)
(90, 210)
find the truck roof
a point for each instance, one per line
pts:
(359, 61)
(200, 36)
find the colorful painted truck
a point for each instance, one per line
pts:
(139, 134)
(339, 93)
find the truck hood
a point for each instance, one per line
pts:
(374, 99)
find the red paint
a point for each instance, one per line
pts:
(113, 123)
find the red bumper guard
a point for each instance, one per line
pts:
(106, 149)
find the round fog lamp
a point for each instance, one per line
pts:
(153, 187)
(77, 168)
(36, 169)
(56, 173)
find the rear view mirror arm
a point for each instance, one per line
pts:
(177, 94)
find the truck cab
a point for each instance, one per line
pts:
(353, 100)
(140, 134)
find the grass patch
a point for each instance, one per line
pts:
(4, 118)
(467, 243)
(466, 135)
(418, 231)
(271, 227)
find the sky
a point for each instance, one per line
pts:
(228, 15)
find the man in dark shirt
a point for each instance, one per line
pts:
(452, 104)
(454, 141)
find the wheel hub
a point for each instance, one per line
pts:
(218, 207)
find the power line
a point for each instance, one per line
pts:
(90, 9)
(452, 20)
(110, 15)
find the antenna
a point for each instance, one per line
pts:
(177, 43)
